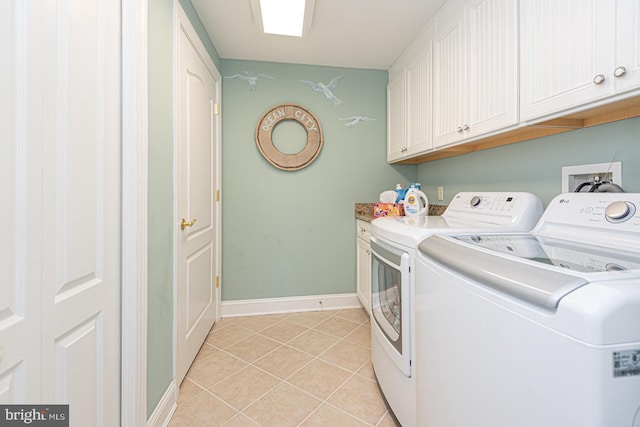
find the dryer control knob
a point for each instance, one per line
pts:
(475, 201)
(619, 211)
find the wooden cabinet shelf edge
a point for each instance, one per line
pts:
(620, 110)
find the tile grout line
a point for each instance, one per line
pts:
(291, 317)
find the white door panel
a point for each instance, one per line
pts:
(200, 294)
(62, 170)
(197, 176)
(81, 211)
(20, 173)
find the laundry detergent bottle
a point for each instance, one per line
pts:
(415, 202)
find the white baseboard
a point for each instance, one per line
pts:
(165, 408)
(253, 307)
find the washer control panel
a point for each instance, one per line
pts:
(596, 217)
(505, 208)
(492, 202)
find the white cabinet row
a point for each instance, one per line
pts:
(467, 76)
(363, 261)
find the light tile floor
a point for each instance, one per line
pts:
(299, 369)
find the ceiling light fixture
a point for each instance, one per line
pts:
(283, 17)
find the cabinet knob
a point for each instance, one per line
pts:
(403, 149)
(459, 129)
(598, 79)
(465, 128)
(620, 71)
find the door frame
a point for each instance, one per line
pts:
(133, 409)
(182, 21)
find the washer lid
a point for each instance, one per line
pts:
(539, 286)
(568, 255)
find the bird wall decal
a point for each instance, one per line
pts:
(354, 120)
(250, 78)
(327, 90)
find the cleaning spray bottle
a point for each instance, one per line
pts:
(401, 193)
(415, 201)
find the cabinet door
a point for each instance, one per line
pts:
(566, 54)
(419, 97)
(493, 65)
(363, 273)
(627, 46)
(449, 75)
(396, 118)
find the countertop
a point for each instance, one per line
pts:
(364, 211)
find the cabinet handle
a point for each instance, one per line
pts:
(598, 79)
(620, 71)
(459, 129)
(404, 149)
(465, 128)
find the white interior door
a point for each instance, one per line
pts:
(60, 316)
(20, 192)
(197, 180)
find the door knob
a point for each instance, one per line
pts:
(184, 224)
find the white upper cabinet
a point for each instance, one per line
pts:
(483, 68)
(626, 66)
(575, 52)
(419, 98)
(493, 66)
(409, 95)
(451, 85)
(475, 69)
(396, 116)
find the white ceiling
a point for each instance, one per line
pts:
(344, 33)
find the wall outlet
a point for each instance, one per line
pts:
(575, 176)
(440, 193)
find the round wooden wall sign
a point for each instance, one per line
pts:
(289, 162)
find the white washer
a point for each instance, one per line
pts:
(393, 245)
(538, 329)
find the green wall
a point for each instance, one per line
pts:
(293, 233)
(160, 339)
(160, 240)
(536, 165)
